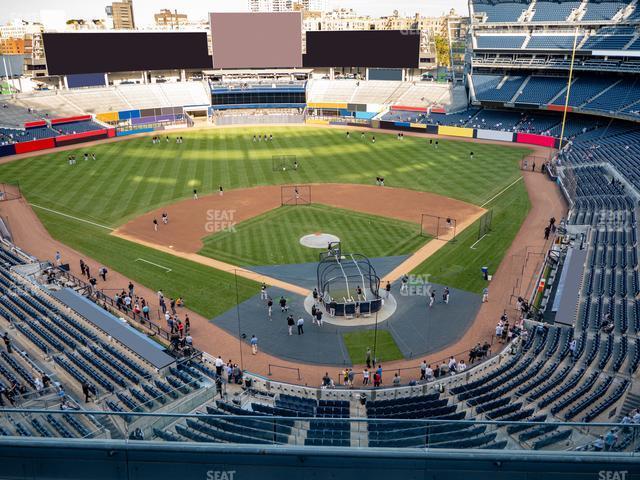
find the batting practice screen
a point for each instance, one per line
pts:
(257, 40)
(367, 48)
(99, 52)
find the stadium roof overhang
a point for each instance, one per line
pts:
(249, 71)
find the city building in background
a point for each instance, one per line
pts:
(288, 5)
(349, 19)
(11, 46)
(122, 15)
(170, 19)
(271, 5)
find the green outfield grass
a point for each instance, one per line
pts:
(133, 176)
(458, 265)
(273, 238)
(206, 291)
(358, 342)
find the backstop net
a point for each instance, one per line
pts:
(442, 228)
(284, 163)
(295, 195)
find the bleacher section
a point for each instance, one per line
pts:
(116, 98)
(413, 94)
(602, 10)
(590, 93)
(500, 41)
(13, 115)
(553, 11)
(502, 12)
(12, 135)
(552, 42)
(40, 328)
(540, 90)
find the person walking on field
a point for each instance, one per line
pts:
(220, 189)
(195, 194)
(404, 288)
(283, 304)
(155, 224)
(290, 324)
(263, 291)
(300, 325)
(254, 345)
(269, 307)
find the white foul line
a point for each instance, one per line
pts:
(477, 241)
(151, 263)
(500, 193)
(72, 217)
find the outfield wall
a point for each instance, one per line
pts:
(148, 120)
(479, 133)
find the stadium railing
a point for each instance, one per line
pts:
(100, 298)
(151, 426)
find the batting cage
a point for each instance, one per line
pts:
(284, 163)
(10, 191)
(434, 226)
(295, 195)
(348, 285)
(485, 224)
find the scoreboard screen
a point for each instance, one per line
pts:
(100, 52)
(363, 48)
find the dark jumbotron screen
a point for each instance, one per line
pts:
(71, 53)
(367, 48)
(257, 40)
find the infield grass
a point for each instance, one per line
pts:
(133, 176)
(273, 238)
(206, 291)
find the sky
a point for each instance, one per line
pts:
(198, 9)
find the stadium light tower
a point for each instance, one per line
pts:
(566, 101)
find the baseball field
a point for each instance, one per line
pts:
(82, 204)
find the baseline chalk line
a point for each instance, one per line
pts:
(500, 192)
(71, 217)
(154, 264)
(473, 247)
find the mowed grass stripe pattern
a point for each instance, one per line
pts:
(133, 176)
(207, 291)
(274, 237)
(386, 348)
(458, 265)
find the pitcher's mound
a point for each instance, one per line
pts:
(318, 240)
